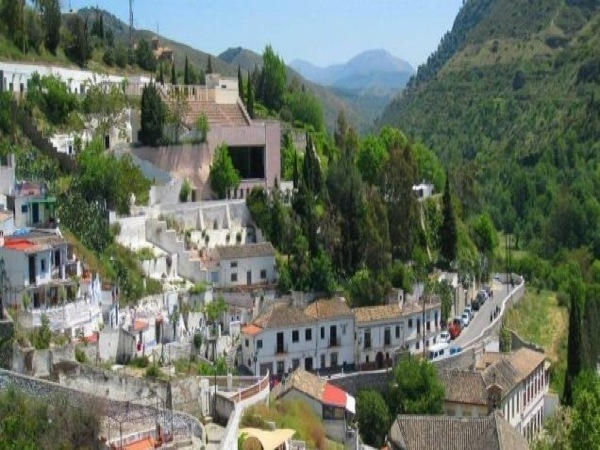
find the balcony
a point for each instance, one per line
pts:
(334, 342)
(281, 349)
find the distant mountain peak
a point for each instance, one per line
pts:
(369, 69)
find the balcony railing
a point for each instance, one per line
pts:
(334, 342)
(281, 349)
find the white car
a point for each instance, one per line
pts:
(470, 311)
(444, 337)
(466, 319)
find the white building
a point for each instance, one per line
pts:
(423, 190)
(515, 383)
(15, 76)
(244, 265)
(283, 337)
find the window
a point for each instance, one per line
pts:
(280, 366)
(247, 343)
(295, 363)
(334, 360)
(43, 264)
(249, 362)
(24, 208)
(234, 264)
(263, 274)
(409, 323)
(322, 332)
(295, 336)
(214, 277)
(259, 343)
(234, 277)
(397, 331)
(418, 345)
(322, 361)
(387, 336)
(367, 338)
(308, 334)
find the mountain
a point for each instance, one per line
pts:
(510, 101)
(331, 100)
(367, 82)
(369, 69)
(196, 57)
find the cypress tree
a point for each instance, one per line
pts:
(161, 75)
(250, 98)
(240, 83)
(209, 65)
(575, 344)
(173, 75)
(296, 174)
(186, 73)
(448, 233)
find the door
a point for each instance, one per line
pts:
(280, 343)
(379, 360)
(107, 142)
(308, 364)
(249, 277)
(333, 336)
(32, 273)
(35, 213)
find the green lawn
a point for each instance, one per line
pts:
(539, 319)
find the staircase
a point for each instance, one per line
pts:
(231, 355)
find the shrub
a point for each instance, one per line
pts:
(184, 192)
(80, 355)
(140, 362)
(152, 371)
(198, 288)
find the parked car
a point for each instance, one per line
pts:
(437, 352)
(466, 319)
(479, 300)
(454, 350)
(488, 290)
(454, 330)
(471, 312)
(444, 337)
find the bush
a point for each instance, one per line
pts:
(109, 57)
(140, 362)
(80, 355)
(198, 288)
(184, 192)
(152, 371)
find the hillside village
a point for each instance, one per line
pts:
(195, 262)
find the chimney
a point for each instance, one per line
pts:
(494, 397)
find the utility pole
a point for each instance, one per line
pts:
(131, 26)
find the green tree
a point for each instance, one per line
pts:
(144, 57)
(202, 126)
(161, 75)
(372, 157)
(505, 339)
(372, 416)
(105, 107)
(153, 116)
(250, 98)
(173, 75)
(223, 174)
(177, 109)
(120, 56)
(273, 78)
(585, 428)
(448, 232)
(52, 96)
(240, 84)
(575, 351)
(33, 30)
(12, 14)
(209, 68)
(416, 388)
(186, 72)
(215, 309)
(321, 274)
(42, 335)
(109, 57)
(79, 49)
(305, 108)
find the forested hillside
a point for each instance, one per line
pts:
(510, 102)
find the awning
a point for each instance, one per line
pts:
(270, 440)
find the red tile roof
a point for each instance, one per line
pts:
(19, 244)
(333, 395)
(252, 329)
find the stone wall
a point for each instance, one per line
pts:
(117, 410)
(7, 331)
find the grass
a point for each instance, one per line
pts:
(538, 318)
(293, 414)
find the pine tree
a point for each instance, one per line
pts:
(448, 233)
(575, 344)
(240, 83)
(173, 75)
(209, 65)
(250, 98)
(186, 72)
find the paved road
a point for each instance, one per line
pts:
(482, 317)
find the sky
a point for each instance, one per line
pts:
(322, 32)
